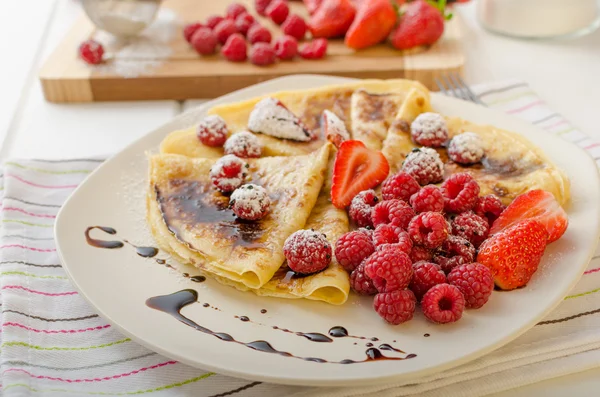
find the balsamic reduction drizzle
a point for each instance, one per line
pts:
(102, 243)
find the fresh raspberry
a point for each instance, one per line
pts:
(294, 26)
(429, 198)
(429, 129)
(443, 303)
(243, 23)
(475, 281)
(204, 41)
(424, 165)
(228, 173)
(361, 208)
(307, 251)
(261, 6)
(352, 248)
(189, 29)
(389, 268)
(234, 10)
(489, 207)
(262, 54)
(396, 212)
(278, 11)
(243, 144)
(286, 47)
(212, 131)
(395, 307)
(455, 251)
(428, 229)
(460, 192)
(234, 49)
(91, 52)
(471, 227)
(213, 20)
(224, 29)
(258, 33)
(360, 282)
(315, 49)
(366, 232)
(389, 234)
(250, 202)
(400, 186)
(425, 276)
(419, 253)
(466, 148)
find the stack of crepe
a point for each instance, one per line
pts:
(192, 221)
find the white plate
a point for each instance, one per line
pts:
(118, 282)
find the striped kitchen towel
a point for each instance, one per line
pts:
(53, 343)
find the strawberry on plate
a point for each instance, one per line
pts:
(514, 254)
(535, 204)
(422, 23)
(374, 21)
(332, 18)
(356, 168)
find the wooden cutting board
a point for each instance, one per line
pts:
(183, 74)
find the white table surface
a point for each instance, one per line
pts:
(566, 74)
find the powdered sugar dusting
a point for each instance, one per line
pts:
(335, 129)
(466, 148)
(270, 117)
(307, 251)
(425, 165)
(243, 144)
(225, 181)
(429, 129)
(250, 201)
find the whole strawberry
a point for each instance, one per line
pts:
(332, 18)
(374, 21)
(514, 254)
(422, 23)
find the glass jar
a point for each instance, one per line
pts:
(122, 18)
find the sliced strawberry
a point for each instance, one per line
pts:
(535, 204)
(333, 128)
(356, 168)
(514, 254)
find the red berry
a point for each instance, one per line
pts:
(475, 281)
(395, 307)
(224, 29)
(361, 208)
(419, 253)
(425, 276)
(360, 282)
(91, 52)
(243, 144)
(315, 49)
(213, 20)
(389, 268)
(428, 229)
(400, 186)
(212, 131)
(204, 41)
(189, 29)
(352, 248)
(421, 23)
(258, 33)
(424, 165)
(278, 11)
(333, 128)
(471, 227)
(466, 148)
(429, 129)
(489, 207)
(261, 6)
(388, 234)
(294, 26)
(460, 192)
(286, 47)
(235, 48)
(429, 198)
(234, 10)
(262, 54)
(243, 23)
(443, 303)
(396, 212)
(228, 173)
(307, 251)
(455, 251)
(250, 202)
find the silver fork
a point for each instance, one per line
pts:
(452, 84)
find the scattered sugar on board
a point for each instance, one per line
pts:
(252, 198)
(271, 118)
(431, 125)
